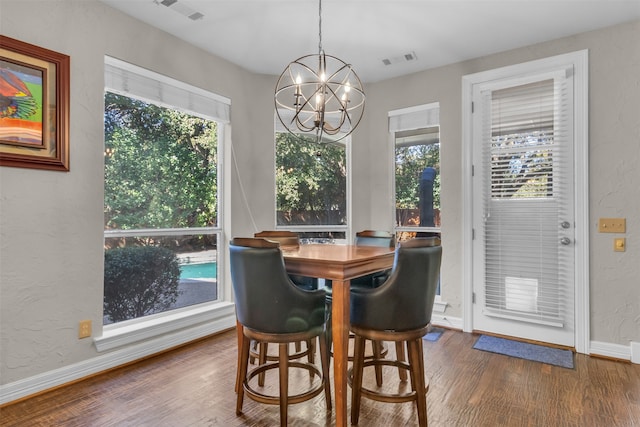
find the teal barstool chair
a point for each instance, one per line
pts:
(399, 310)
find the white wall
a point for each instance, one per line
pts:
(51, 245)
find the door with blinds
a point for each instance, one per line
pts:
(523, 208)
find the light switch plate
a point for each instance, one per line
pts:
(619, 244)
(612, 225)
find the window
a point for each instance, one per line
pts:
(416, 136)
(311, 188)
(416, 144)
(161, 193)
(521, 152)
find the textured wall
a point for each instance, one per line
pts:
(614, 114)
(51, 238)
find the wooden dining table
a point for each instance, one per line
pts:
(340, 264)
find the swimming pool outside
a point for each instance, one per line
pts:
(204, 270)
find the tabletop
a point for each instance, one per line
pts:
(336, 262)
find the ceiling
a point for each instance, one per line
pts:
(263, 36)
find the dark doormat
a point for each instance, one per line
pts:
(522, 350)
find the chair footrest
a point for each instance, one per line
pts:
(255, 354)
(258, 396)
(382, 396)
(384, 350)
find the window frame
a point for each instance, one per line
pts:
(418, 117)
(422, 116)
(195, 321)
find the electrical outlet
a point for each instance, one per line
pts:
(84, 331)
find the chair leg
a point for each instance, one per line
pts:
(254, 346)
(324, 362)
(417, 379)
(356, 394)
(262, 359)
(311, 345)
(242, 372)
(400, 356)
(238, 363)
(283, 355)
(327, 322)
(377, 355)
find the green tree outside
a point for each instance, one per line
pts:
(138, 281)
(410, 162)
(311, 182)
(160, 167)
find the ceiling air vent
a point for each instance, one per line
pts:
(411, 56)
(181, 8)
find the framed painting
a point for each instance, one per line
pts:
(34, 106)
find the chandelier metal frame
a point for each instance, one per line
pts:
(319, 95)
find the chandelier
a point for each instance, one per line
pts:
(319, 95)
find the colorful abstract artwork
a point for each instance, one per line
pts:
(21, 101)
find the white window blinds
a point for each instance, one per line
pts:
(126, 79)
(423, 116)
(527, 149)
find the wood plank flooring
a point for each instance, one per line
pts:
(193, 386)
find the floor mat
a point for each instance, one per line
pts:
(522, 350)
(433, 335)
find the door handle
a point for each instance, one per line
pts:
(565, 241)
(565, 224)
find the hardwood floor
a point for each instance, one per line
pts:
(193, 386)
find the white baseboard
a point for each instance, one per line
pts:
(615, 351)
(635, 352)
(57, 377)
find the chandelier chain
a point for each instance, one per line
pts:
(319, 26)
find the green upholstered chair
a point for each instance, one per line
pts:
(272, 309)
(399, 310)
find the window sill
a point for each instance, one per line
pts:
(204, 320)
(439, 306)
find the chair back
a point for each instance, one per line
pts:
(375, 238)
(405, 300)
(266, 299)
(285, 238)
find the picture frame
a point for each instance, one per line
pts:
(34, 106)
